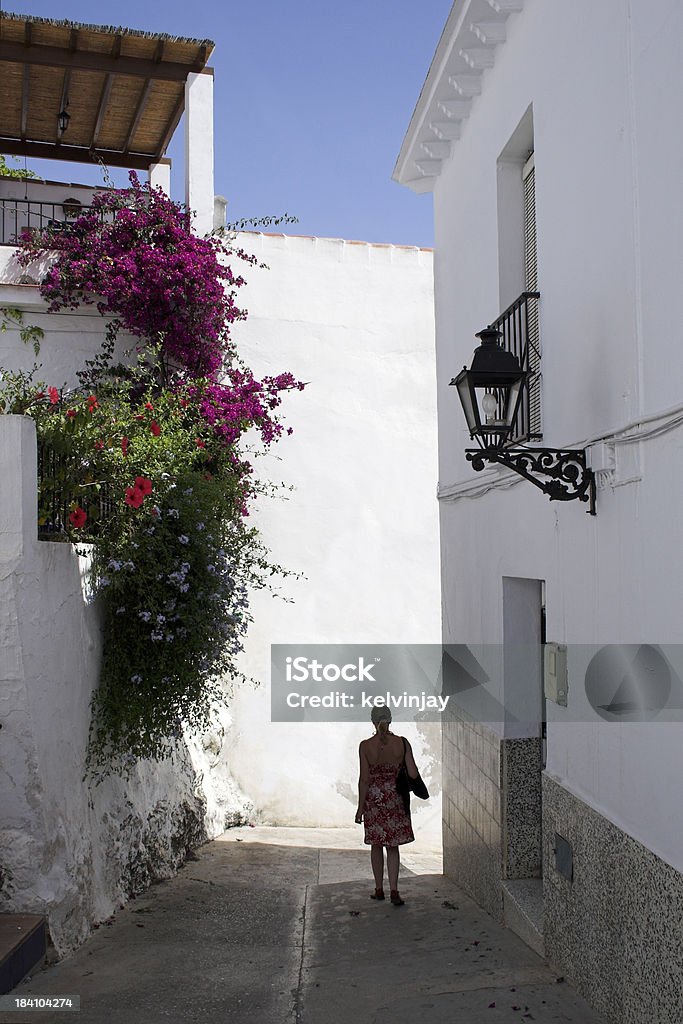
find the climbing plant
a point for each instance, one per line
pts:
(150, 459)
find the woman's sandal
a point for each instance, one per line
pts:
(396, 899)
(378, 894)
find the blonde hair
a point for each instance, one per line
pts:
(381, 719)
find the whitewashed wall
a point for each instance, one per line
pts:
(356, 322)
(604, 89)
(72, 849)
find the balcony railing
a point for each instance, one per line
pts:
(56, 496)
(17, 215)
(519, 327)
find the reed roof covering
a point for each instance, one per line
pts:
(124, 90)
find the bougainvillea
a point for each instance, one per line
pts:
(133, 254)
(150, 459)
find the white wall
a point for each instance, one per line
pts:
(73, 849)
(356, 322)
(605, 81)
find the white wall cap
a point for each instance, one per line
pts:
(466, 50)
(445, 129)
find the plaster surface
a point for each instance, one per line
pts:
(275, 924)
(361, 522)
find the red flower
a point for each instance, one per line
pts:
(124, 446)
(99, 445)
(199, 442)
(134, 498)
(148, 405)
(71, 413)
(92, 403)
(155, 428)
(40, 394)
(144, 485)
(78, 517)
(54, 395)
(139, 417)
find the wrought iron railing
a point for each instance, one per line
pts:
(519, 327)
(17, 215)
(61, 484)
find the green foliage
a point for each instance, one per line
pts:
(13, 318)
(14, 172)
(146, 479)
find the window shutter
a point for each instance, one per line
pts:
(531, 285)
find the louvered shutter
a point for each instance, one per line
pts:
(531, 285)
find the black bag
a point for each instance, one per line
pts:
(405, 785)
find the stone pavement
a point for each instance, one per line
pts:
(275, 926)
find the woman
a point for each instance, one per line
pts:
(380, 806)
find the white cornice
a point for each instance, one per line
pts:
(466, 50)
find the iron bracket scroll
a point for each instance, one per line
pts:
(564, 474)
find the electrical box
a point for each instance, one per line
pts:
(555, 683)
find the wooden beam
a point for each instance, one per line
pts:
(58, 57)
(102, 107)
(139, 111)
(25, 100)
(81, 154)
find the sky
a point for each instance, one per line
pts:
(312, 101)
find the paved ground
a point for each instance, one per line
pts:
(275, 926)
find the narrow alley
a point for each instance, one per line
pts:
(274, 926)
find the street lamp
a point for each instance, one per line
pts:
(490, 393)
(497, 374)
(63, 118)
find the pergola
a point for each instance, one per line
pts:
(124, 90)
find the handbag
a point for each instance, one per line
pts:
(405, 785)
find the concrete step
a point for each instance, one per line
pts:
(523, 910)
(22, 946)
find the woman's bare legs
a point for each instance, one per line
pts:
(393, 864)
(377, 861)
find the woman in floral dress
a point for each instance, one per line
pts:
(380, 806)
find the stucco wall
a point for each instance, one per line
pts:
(609, 227)
(70, 848)
(356, 322)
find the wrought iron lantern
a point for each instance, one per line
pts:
(63, 118)
(495, 375)
(490, 392)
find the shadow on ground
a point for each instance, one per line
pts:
(260, 930)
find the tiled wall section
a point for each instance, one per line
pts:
(521, 785)
(616, 930)
(471, 811)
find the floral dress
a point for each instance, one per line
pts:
(384, 815)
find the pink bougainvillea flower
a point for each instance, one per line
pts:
(92, 403)
(54, 395)
(78, 517)
(134, 498)
(144, 485)
(99, 445)
(71, 413)
(124, 446)
(155, 428)
(139, 417)
(199, 442)
(148, 405)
